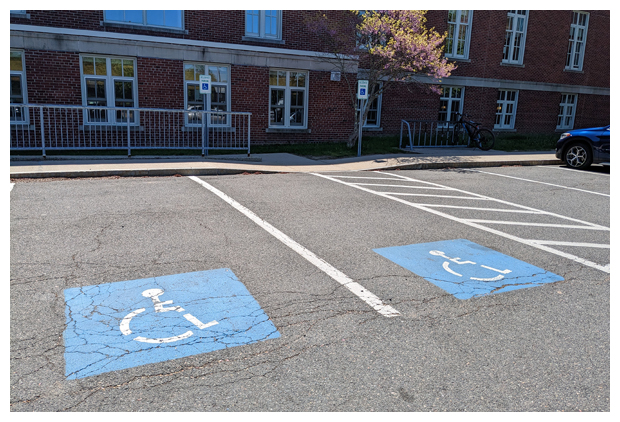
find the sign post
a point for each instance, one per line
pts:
(205, 89)
(362, 94)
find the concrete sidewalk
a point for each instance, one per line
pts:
(421, 158)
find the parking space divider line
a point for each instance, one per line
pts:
(337, 275)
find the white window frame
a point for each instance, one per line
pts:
(516, 29)
(506, 107)
(214, 84)
(261, 16)
(287, 99)
(455, 28)
(568, 108)
(577, 41)
(22, 76)
(110, 118)
(451, 100)
(144, 19)
(377, 124)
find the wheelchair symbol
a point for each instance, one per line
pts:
(446, 266)
(159, 307)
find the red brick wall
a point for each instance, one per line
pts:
(53, 77)
(160, 83)
(545, 48)
(225, 26)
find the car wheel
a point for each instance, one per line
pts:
(578, 156)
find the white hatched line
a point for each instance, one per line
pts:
(525, 223)
(356, 288)
(500, 201)
(604, 268)
(400, 186)
(433, 196)
(481, 209)
(558, 243)
(567, 169)
(365, 177)
(542, 183)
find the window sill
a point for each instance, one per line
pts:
(511, 64)
(573, 70)
(372, 129)
(459, 59)
(20, 15)
(286, 130)
(144, 27)
(265, 40)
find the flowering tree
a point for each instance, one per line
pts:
(392, 46)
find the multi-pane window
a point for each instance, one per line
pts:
(218, 100)
(459, 33)
(577, 41)
(566, 117)
(451, 101)
(373, 118)
(263, 24)
(18, 93)
(287, 98)
(506, 109)
(157, 18)
(514, 44)
(109, 82)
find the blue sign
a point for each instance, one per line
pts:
(362, 92)
(466, 269)
(204, 86)
(131, 323)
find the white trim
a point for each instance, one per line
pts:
(515, 16)
(504, 103)
(573, 43)
(467, 40)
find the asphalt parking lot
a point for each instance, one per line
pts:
(404, 290)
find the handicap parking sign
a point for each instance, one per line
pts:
(131, 323)
(466, 269)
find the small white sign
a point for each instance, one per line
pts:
(362, 90)
(335, 76)
(205, 84)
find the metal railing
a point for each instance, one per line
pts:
(430, 133)
(55, 127)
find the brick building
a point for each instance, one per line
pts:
(525, 71)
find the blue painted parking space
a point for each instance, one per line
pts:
(130, 323)
(466, 269)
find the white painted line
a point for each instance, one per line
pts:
(481, 209)
(191, 318)
(542, 183)
(558, 243)
(12, 184)
(435, 196)
(400, 186)
(500, 201)
(365, 177)
(569, 169)
(356, 288)
(429, 209)
(525, 223)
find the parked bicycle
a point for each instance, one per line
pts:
(480, 136)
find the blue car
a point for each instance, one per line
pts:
(581, 147)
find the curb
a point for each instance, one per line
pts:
(221, 172)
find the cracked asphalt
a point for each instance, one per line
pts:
(544, 348)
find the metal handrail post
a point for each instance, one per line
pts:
(249, 118)
(128, 136)
(42, 132)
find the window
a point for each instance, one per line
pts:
(506, 109)
(287, 98)
(577, 41)
(217, 101)
(157, 18)
(263, 24)
(459, 33)
(18, 91)
(566, 118)
(109, 82)
(451, 101)
(514, 43)
(373, 118)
